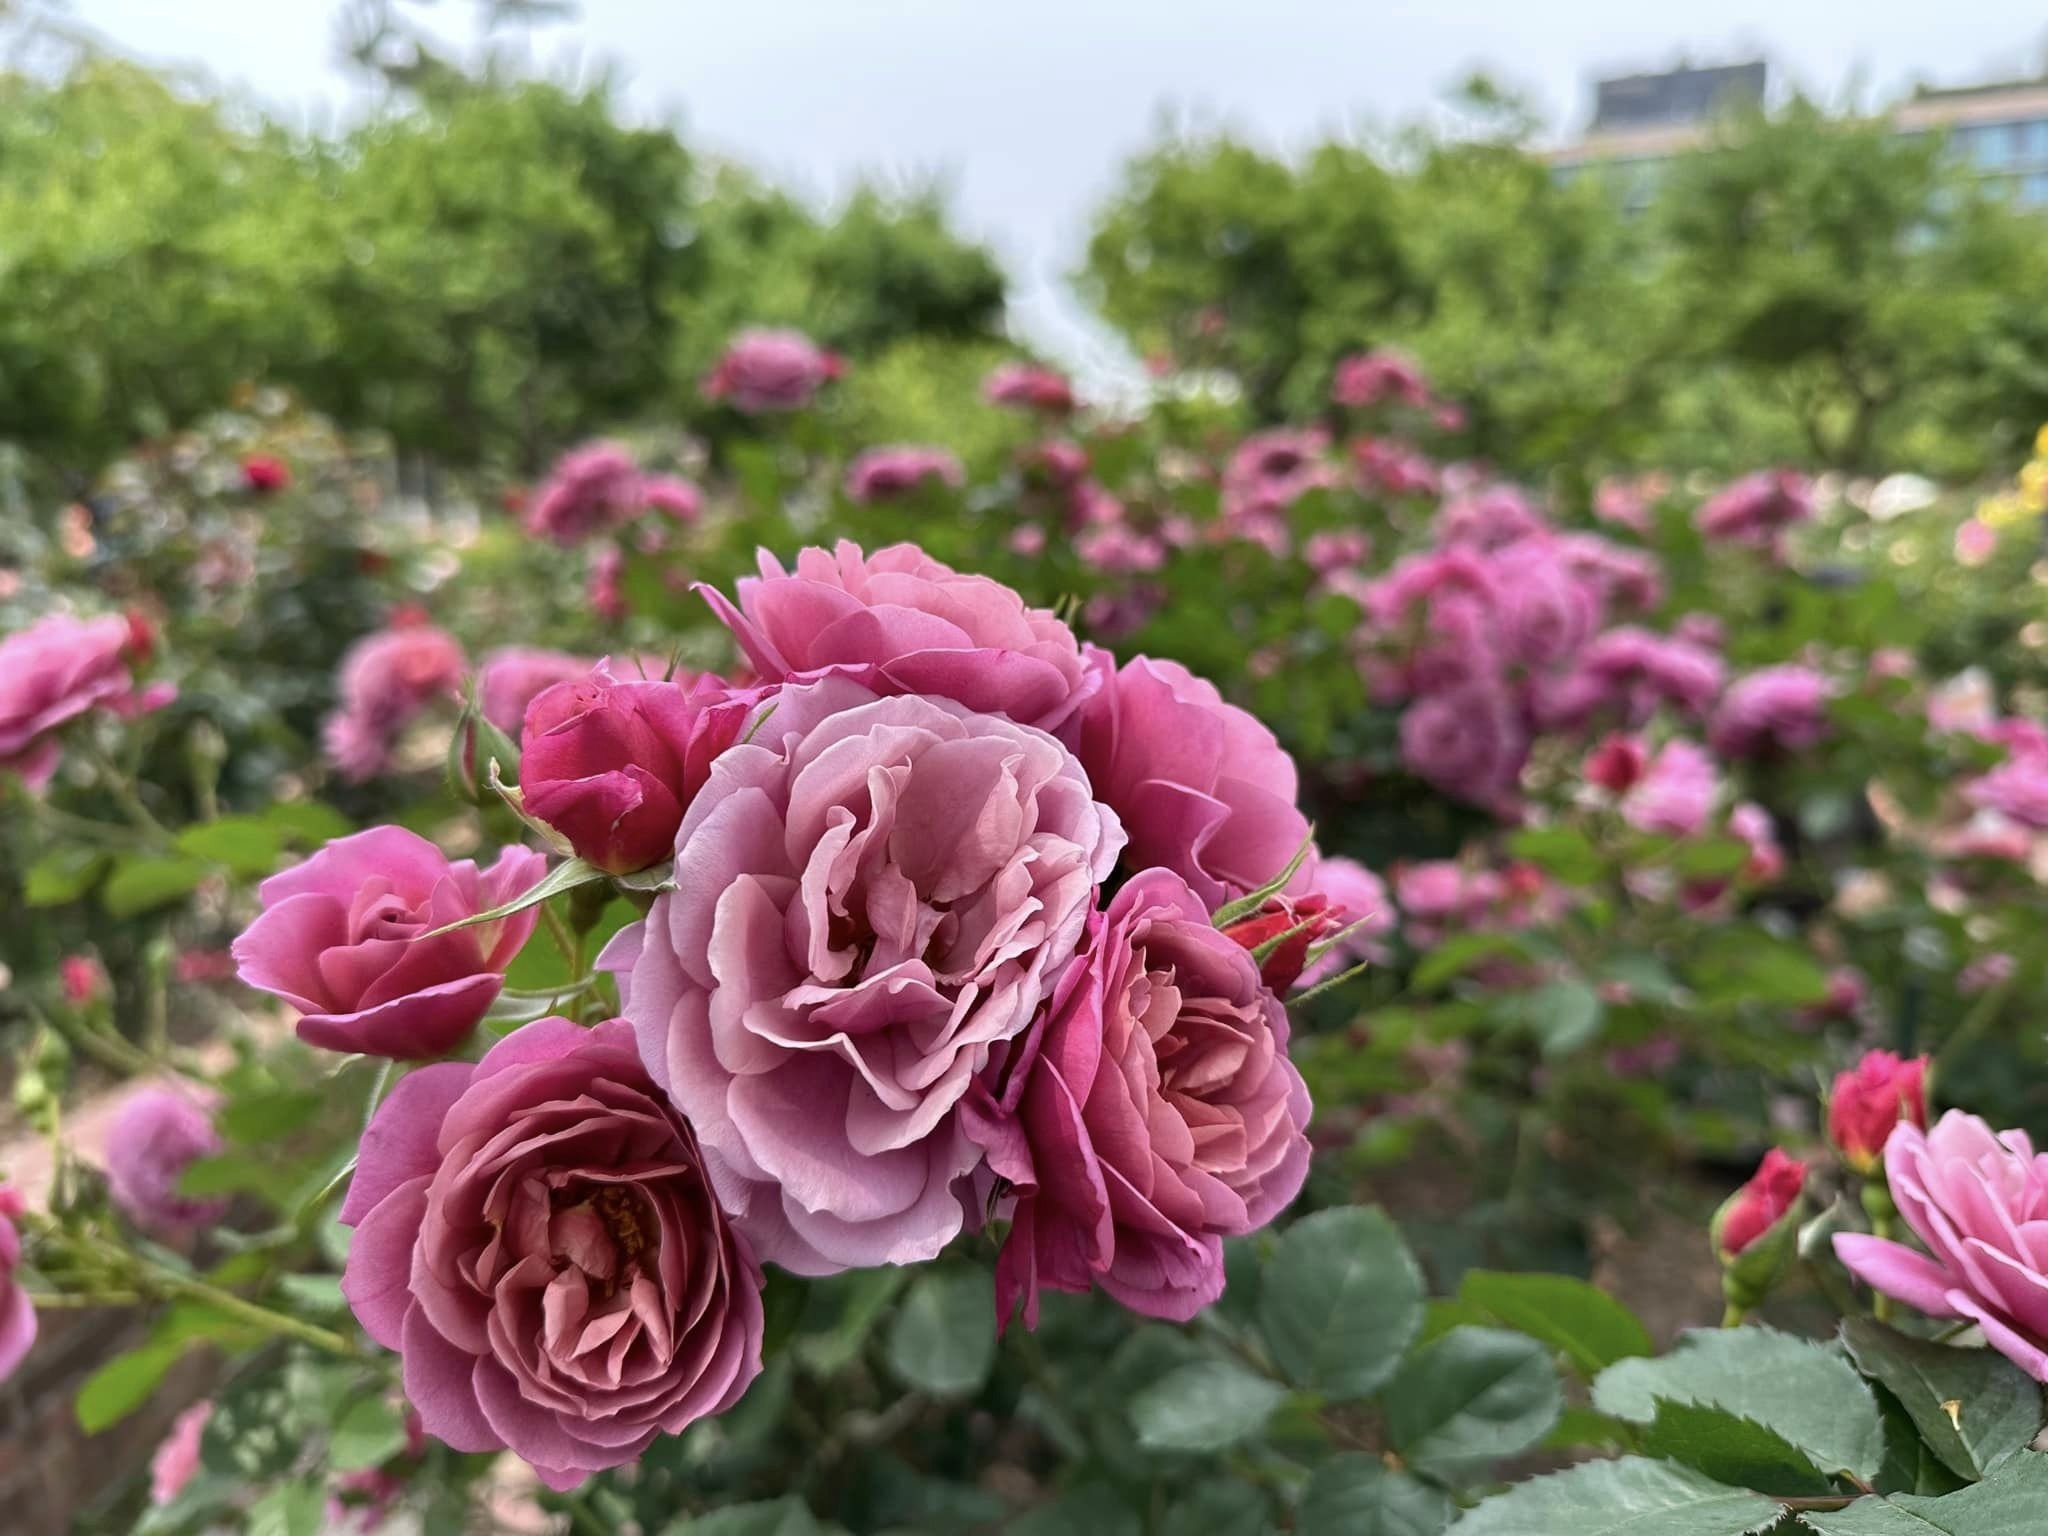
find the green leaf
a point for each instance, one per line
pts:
(840, 1313)
(141, 885)
(565, 876)
(786, 1516)
(1630, 1497)
(1360, 1496)
(125, 1382)
(1203, 1406)
(1245, 905)
(1563, 851)
(943, 1340)
(2011, 1502)
(1731, 1449)
(249, 846)
(1744, 964)
(1471, 1397)
(1580, 1321)
(369, 1434)
(1973, 1407)
(1222, 1508)
(1340, 1301)
(62, 875)
(269, 1115)
(314, 1293)
(1455, 956)
(1092, 1511)
(289, 1509)
(1563, 1015)
(1712, 858)
(307, 823)
(1805, 1392)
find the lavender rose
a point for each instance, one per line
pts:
(1977, 1200)
(899, 621)
(536, 1236)
(1780, 708)
(339, 939)
(158, 1132)
(874, 897)
(1202, 788)
(1161, 1113)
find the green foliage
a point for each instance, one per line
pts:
(1340, 1301)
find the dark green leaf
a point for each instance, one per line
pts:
(1630, 1497)
(944, 1338)
(1580, 1321)
(1731, 1449)
(1455, 956)
(1974, 1407)
(1092, 1511)
(775, 1517)
(1563, 1015)
(1471, 1397)
(1222, 1509)
(1203, 1406)
(1360, 1496)
(2012, 1502)
(1340, 1301)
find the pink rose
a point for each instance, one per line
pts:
(1161, 1113)
(536, 1236)
(1489, 519)
(676, 497)
(2016, 789)
(1333, 549)
(1977, 1200)
(1782, 709)
(1029, 388)
(84, 980)
(1270, 471)
(1760, 1204)
(177, 1458)
(17, 1315)
(1468, 743)
(515, 675)
(1202, 787)
(1618, 763)
(1370, 378)
(589, 489)
(159, 1131)
(899, 621)
(1757, 509)
(1871, 1100)
(387, 680)
(1676, 793)
(766, 371)
(885, 474)
(56, 670)
(1059, 460)
(874, 896)
(1546, 611)
(611, 764)
(1391, 468)
(1628, 673)
(339, 939)
(1622, 580)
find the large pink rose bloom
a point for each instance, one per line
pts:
(17, 1314)
(901, 622)
(874, 896)
(1161, 1113)
(536, 1236)
(1202, 787)
(57, 669)
(339, 939)
(1979, 1201)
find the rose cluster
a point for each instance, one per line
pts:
(952, 919)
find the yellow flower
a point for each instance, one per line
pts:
(2041, 442)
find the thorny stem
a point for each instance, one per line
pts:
(116, 783)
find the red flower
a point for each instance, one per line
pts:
(1306, 919)
(263, 474)
(1870, 1100)
(1617, 763)
(1762, 1203)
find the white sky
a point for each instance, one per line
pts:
(1027, 109)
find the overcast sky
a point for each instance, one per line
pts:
(1027, 109)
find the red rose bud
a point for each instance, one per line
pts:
(612, 764)
(83, 979)
(1290, 925)
(1760, 1205)
(1617, 763)
(141, 636)
(264, 473)
(1870, 1101)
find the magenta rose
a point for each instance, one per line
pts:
(1030, 388)
(1468, 742)
(536, 1235)
(1160, 1112)
(884, 474)
(158, 1132)
(873, 898)
(339, 939)
(1676, 792)
(611, 764)
(2016, 788)
(766, 371)
(57, 669)
(899, 621)
(1979, 1201)
(1781, 709)
(1202, 788)
(1757, 509)
(589, 489)
(387, 680)
(515, 675)
(17, 1315)
(1369, 378)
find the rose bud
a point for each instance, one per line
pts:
(1755, 1231)
(264, 473)
(1291, 924)
(1617, 763)
(1870, 1101)
(612, 764)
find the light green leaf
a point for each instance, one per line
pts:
(289, 1509)
(2012, 1502)
(125, 1382)
(141, 885)
(1804, 1392)
(565, 876)
(1973, 1407)
(369, 1434)
(1731, 1449)
(943, 1340)
(1471, 1397)
(250, 846)
(1579, 1320)
(1360, 1496)
(1340, 1301)
(307, 823)
(1563, 851)
(1630, 1497)
(1203, 1406)
(1455, 956)
(1563, 1015)
(62, 875)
